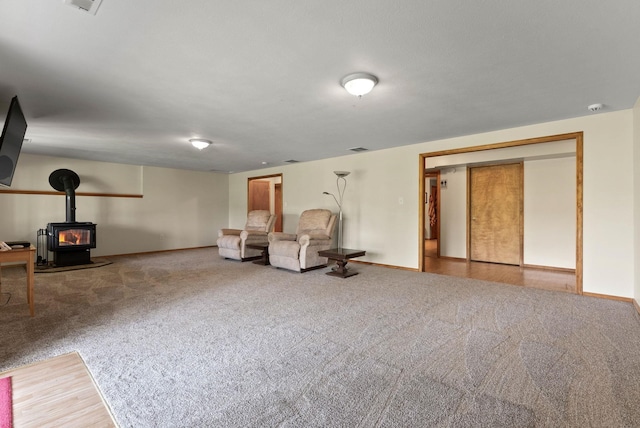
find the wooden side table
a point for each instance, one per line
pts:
(341, 256)
(264, 260)
(28, 256)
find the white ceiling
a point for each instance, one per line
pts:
(261, 79)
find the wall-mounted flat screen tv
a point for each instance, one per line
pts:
(15, 126)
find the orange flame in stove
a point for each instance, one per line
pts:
(68, 238)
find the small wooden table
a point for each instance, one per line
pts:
(264, 260)
(28, 256)
(341, 256)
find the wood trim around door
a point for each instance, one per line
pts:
(579, 218)
(577, 136)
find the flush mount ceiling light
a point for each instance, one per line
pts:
(359, 84)
(199, 143)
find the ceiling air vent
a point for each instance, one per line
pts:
(358, 149)
(90, 6)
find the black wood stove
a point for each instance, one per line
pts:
(71, 241)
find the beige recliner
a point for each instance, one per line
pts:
(299, 251)
(232, 242)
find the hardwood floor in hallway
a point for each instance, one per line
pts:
(523, 276)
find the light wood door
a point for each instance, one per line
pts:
(495, 208)
(259, 195)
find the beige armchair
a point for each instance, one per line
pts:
(232, 242)
(299, 251)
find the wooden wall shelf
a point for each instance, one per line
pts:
(46, 192)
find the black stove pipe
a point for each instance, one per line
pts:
(71, 200)
(65, 180)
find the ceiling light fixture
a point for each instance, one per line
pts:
(199, 143)
(359, 84)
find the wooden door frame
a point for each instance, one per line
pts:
(577, 136)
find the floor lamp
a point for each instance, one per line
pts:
(341, 176)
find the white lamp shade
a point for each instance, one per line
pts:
(359, 84)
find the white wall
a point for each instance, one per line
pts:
(453, 213)
(608, 205)
(388, 230)
(381, 204)
(551, 149)
(550, 212)
(32, 173)
(179, 209)
(380, 201)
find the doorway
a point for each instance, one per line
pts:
(572, 144)
(432, 214)
(265, 193)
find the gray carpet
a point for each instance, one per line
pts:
(185, 339)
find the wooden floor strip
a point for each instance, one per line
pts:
(57, 392)
(547, 279)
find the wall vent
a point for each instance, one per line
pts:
(358, 149)
(90, 6)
